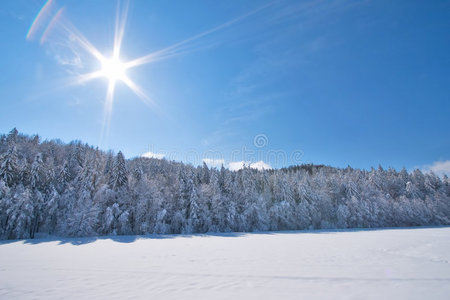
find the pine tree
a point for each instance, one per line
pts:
(37, 172)
(5, 204)
(38, 188)
(9, 170)
(76, 161)
(63, 177)
(192, 210)
(12, 137)
(205, 174)
(119, 179)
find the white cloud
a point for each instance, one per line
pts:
(438, 167)
(237, 165)
(259, 165)
(214, 163)
(153, 155)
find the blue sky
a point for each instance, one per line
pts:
(357, 83)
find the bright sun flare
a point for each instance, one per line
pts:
(113, 69)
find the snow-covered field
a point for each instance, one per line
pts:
(360, 264)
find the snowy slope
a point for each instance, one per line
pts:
(361, 264)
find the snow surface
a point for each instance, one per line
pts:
(354, 264)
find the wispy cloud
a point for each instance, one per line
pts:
(185, 45)
(153, 155)
(218, 136)
(314, 10)
(286, 40)
(49, 21)
(438, 167)
(61, 43)
(70, 58)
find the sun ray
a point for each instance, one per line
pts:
(83, 42)
(174, 50)
(137, 90)
(157, 56)
(86, 77)
(119, 31)
(107, 112)
(112, 67)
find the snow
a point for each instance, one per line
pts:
(402, 263)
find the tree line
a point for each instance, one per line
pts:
(74, 189)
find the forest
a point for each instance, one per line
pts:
(58, 189)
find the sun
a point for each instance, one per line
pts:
(113, 69)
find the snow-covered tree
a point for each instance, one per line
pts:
(73, 189)
(119, 178)
(9, 169)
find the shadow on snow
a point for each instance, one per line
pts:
(78, 241)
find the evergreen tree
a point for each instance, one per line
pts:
(9, 170)
(12, 137)
(37, 173)
(53, 188)
(119, 179)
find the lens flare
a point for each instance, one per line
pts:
(113, 68)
